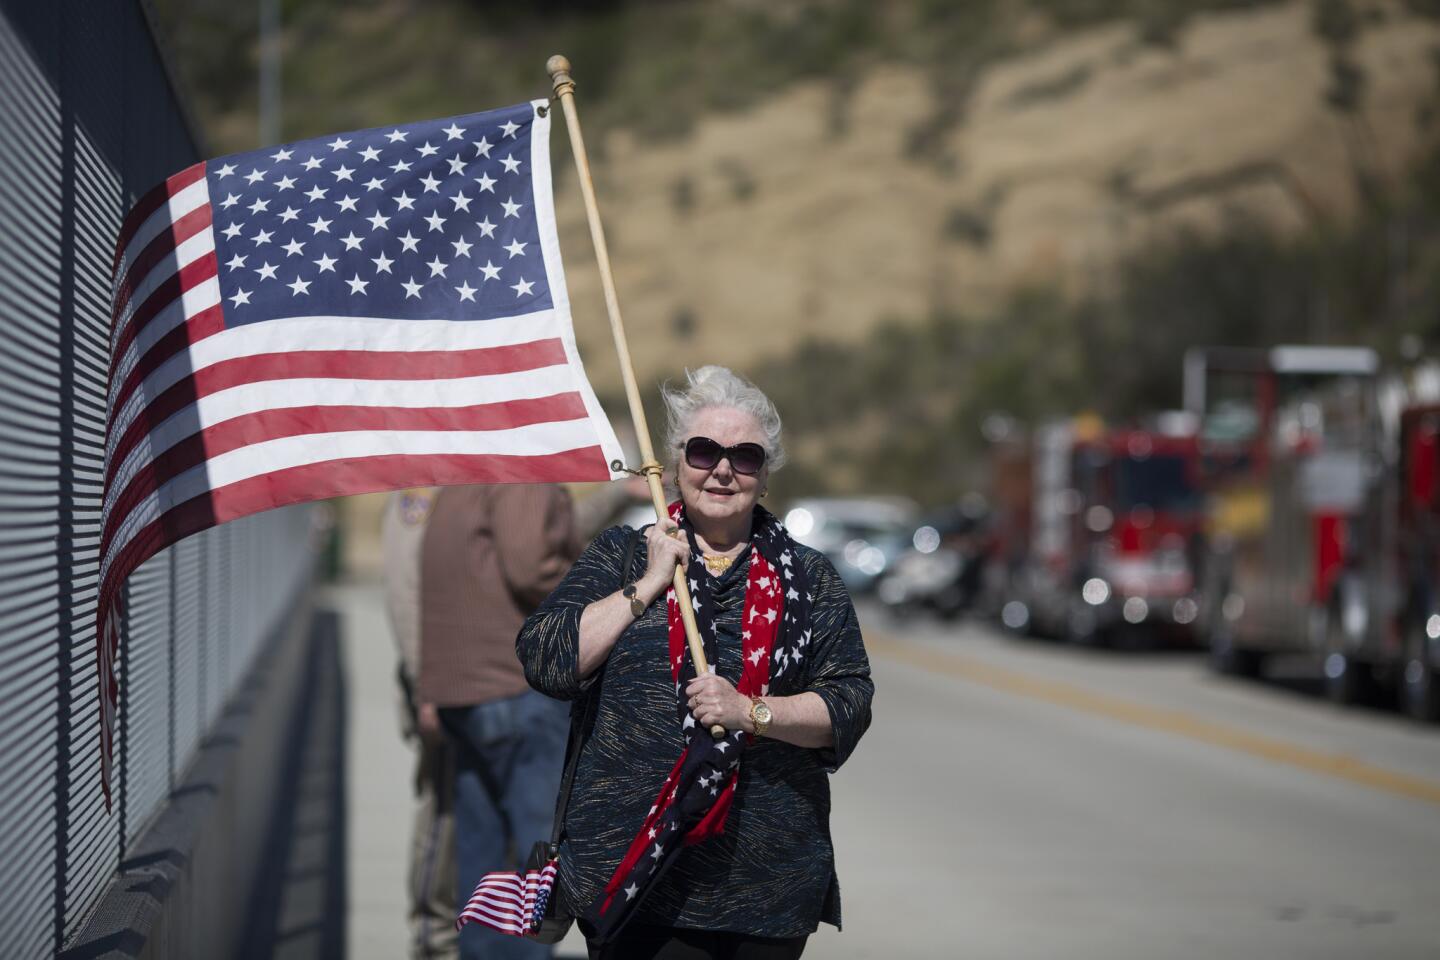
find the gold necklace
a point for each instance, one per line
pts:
(717, 564)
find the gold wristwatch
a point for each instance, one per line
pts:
(760, 716)
(637, 606)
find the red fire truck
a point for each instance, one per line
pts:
(1114, 521)
(1303, 547)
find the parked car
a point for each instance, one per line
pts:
(862, 536)
(942, 571)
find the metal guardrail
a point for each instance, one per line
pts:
(89, 120)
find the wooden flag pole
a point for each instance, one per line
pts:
(559, 69)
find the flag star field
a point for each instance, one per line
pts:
(431, 220)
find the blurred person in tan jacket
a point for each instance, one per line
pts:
(431, 876)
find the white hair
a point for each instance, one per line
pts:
(716, 386)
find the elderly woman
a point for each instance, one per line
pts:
(678, 844)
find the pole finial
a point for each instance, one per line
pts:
(559, 69)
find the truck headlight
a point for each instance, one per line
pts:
(1185, 610)
(1095, 591)
(1135, 610)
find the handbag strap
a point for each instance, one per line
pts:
(582, 718)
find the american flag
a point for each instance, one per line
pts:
(510, 902)
(380, 309)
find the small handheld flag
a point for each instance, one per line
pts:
(509, 901)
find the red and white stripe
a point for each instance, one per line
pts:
(207, 424)
(507, 901)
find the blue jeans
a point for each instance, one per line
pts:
(510, 757)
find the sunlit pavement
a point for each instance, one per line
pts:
(1018, 799)
(377, 790)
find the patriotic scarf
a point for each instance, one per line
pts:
(696, 796)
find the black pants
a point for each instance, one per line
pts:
(638, 942)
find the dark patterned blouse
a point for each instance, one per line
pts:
(772, 872)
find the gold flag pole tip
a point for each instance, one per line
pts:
(558, 67)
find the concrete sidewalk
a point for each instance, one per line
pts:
(377, 781)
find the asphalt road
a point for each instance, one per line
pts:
(1016, 799)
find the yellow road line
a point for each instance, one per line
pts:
(1181, 724)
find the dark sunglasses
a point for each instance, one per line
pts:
(702, 453)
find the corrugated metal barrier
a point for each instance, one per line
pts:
(88, 121)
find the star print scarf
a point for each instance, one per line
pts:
(696, 796)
